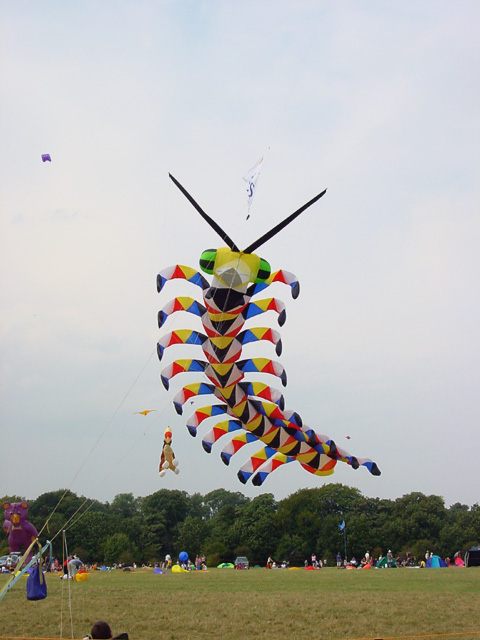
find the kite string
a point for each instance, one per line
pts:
(65, 559)
(286, 104)
(109, 422)
(117, 464)
(293, 86)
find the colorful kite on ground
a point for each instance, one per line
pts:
(252, 410)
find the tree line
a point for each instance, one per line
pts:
(223, 524)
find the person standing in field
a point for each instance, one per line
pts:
(389, 559)
(339, 561)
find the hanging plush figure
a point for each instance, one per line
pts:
(167, 459)
(21, 532)
(252, 409)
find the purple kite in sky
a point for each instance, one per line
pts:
(46, 157)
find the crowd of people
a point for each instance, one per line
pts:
(386, 561)
(72, 565)
(200, 563)
(368, 560)
(271, 564)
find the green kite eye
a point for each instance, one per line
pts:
(207, 260)
(264, 271)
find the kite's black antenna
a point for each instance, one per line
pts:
(228, 241)
(281, 225)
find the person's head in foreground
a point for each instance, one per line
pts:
(101, 629)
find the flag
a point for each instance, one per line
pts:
(251, 179)
(342, 526)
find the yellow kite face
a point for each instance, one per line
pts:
(234, 269)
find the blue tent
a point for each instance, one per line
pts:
(435, 562)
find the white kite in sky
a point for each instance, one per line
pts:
(251, 179)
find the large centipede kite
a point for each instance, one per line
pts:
(252, 410)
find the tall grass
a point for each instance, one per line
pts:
(274, 605)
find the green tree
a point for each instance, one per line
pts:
(460, 531)
(116, 546)
(191, 536)
(216, 500)
(197, 507)
(256, 527)
(292, 548)
(125, 505)
(418, 516)
(222, 536)
(64, 502)
(12, 499)
(299, 514)
(163, 512)
(90, 532)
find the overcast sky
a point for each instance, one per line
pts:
(376, 101)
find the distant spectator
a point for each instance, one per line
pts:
(73, 567)
(339, 560)
(389, 559)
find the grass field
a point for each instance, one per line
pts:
(277, 604)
